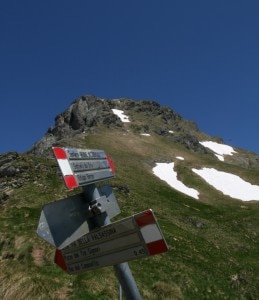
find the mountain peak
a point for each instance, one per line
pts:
(89, 112)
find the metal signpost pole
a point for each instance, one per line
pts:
(127, 281)
(122, 270)
(120, 292)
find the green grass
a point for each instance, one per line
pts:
(213, 242)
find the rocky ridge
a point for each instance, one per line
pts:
(89, 112)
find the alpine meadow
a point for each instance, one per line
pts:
(211, 227)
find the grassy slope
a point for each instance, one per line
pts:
(213, 242)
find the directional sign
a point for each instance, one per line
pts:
(128, 239)
(64, 221)
(83, 166)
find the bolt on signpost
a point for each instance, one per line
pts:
(83, 235)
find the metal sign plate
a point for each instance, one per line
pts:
(83, 166)
(64, 221)
(128, 239)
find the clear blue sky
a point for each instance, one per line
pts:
(201, 58)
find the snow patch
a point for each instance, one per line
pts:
(229, 184)
(145, 134)
(219, 149)
(121, 115)
(165, 171)
(180, 157)
(170, 131)
(220, 157)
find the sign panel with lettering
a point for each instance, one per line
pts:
(83, 166)
(128, 239)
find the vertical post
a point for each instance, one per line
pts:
(127, 281)
(122, 271)
(120, 292)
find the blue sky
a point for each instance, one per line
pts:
(201, 58)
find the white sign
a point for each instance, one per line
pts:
(128, 239)
(83, 166)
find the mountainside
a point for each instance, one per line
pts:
(212, 234)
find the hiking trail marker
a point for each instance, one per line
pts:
(131, 238)
(79, 226)
(81, 167)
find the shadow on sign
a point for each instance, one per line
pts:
(64, 221)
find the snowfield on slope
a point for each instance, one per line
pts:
(166, 172)
(219, 149)
(229, 184)
(121, 115)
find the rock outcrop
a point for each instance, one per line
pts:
(88, 112)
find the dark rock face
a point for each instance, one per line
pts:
(190, 142)
(84, 114)
(88, 112)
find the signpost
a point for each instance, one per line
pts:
(80, 229)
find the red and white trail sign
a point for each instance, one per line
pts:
(83, 166)
(131, 238)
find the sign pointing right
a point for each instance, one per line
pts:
(128, 239)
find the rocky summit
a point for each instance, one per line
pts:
(88, 112)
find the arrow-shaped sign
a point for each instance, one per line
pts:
(131, 238)
(80, 167)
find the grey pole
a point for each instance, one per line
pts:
(122, 271)
(120, 292)
(127, 281)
